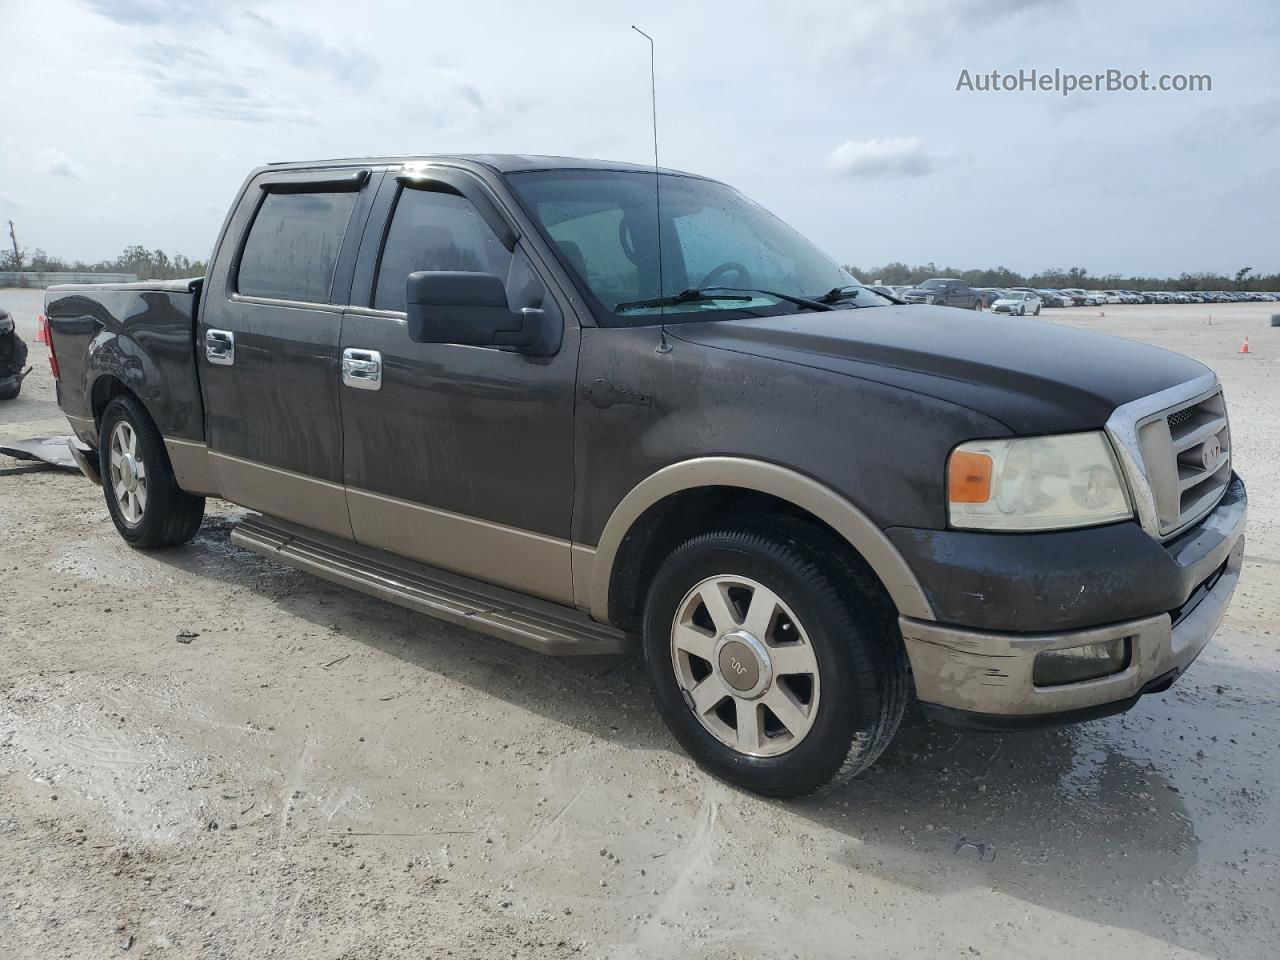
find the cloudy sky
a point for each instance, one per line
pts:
(134, 121)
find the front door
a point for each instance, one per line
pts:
(268, 346)
(460, 457)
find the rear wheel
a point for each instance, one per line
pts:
(147, 506)
(772, 658)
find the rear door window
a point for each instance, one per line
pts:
(292, 247)
(435, 231)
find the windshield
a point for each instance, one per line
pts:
(602, 223)
(933, 284)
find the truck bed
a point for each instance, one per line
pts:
(137, 335)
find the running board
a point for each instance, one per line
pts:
(539, 625)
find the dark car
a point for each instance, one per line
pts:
(945, 292)
(471, 385)
(13, 357)
(1054, 298)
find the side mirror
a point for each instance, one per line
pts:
(448, 306)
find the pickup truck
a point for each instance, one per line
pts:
(946, 292)
(589, 406)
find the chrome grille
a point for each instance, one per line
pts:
(1186, 456)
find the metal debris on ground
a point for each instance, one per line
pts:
(55, 451)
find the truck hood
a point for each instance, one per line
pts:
(1031, 375)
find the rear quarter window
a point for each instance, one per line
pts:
(293, 244)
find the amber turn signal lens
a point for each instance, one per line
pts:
(969, 477)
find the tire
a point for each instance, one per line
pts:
(1037, 313)
(847, 685)
(154, 511)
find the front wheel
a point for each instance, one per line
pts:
(773, 660)
(147, 506)
(1037, 311)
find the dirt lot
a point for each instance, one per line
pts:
(317, 774)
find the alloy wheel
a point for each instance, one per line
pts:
(128, 473)
(745, 665)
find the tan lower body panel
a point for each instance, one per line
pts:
(584, 560)
(85, 428)
(549, 628)
(314, 503)
(529, 562)
(192, 466)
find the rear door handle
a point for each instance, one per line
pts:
(220, 347)
(362, 369)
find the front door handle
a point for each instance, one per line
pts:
(362, 369)
(220, 347)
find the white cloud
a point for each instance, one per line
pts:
(60, 165)
(887, 157)
(8, 201)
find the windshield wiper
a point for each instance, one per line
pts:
(694, 295)
(807, 302)
(691, 295)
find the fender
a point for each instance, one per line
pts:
(594, 570)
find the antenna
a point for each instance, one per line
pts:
(664, 347)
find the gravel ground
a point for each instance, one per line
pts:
(317, 774)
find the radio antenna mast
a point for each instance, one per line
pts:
(664, 347)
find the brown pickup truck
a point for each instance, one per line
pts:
(588, 406)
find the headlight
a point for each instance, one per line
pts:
(1036, 483)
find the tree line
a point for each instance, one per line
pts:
(158, 265)
(147, 264)
(1055, 278)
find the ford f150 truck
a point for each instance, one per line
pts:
(584, 406)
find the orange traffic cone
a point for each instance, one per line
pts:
(1244, 347)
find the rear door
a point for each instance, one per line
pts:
(267, 344)
(460, 457)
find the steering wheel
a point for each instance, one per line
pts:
(729, 266)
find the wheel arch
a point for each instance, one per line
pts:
(107, 387)
(695, 486)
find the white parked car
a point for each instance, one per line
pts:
(1112, 296)
(1018, 302)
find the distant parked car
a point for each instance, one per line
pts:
(886, 292)
(1112, 296)
(945, 291)
(989, 295)
(1053, 298)
(1088, 298)
(1018, 302)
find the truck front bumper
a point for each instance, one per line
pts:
(984, 678)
